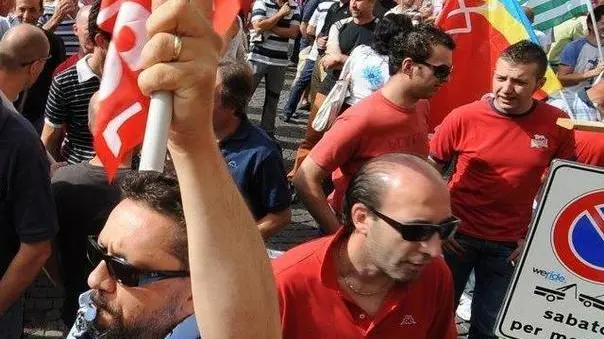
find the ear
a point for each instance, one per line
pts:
(74, 27)
(407, 66)
(360, 218)
(99, 40)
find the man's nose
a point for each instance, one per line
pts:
(100, 279)
(432, 247)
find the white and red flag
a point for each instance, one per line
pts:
(123, 109)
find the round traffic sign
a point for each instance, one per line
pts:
(578, 237)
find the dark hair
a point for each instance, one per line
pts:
(526, 52)
(529, 13)
(237, 86)
(598, 14)
(389, 27)
(417, 44)
(161, 193)
(93, 28)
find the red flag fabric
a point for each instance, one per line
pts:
(482, 29)
(122, 116)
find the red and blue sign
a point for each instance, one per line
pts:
(578, 237)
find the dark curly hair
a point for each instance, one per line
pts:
(93, 28)
(389, 27)
(161, 193)
(417, 45)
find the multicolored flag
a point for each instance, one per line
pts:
(123, 109)
(482, 29)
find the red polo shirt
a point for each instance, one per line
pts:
(313, 305)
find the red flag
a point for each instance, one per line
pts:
(123, 109)
(482, 29)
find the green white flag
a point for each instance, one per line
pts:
(550, 13)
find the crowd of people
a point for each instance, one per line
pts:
(407, 214)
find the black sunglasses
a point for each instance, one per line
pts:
(122, 271)
(441, 72)
(420, 231)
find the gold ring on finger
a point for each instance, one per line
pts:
(177, 47)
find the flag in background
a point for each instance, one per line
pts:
(120, 123)
(482, 29)
(551, 13)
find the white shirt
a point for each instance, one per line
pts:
(368, 72)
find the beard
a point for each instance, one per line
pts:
(155, 325)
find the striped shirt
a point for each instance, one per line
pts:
(67, 106)
(267, 47)
(64, 30)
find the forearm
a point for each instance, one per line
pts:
(24, 268)
(291, 32)
(51, 138)
(311, 194)
(573, 79)
(224, 275)
(266, 24)
(273, 222)
(51, 24)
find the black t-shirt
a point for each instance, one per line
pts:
(351, 36)
(334, 14)
(84, 201)
(27, 210)
(35, 101)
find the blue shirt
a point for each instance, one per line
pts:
(257, 168)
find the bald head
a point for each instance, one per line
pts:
(22, 45)
(395, 177)
(82, 16)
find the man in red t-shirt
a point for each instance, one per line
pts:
(503, 144)
(381, 275)
(392, 119)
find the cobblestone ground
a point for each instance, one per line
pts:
(43, 301)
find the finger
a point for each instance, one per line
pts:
(176, 75)
(179, 17)
(161, 48)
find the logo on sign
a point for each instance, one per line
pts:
(578, 237)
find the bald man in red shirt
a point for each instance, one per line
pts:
(381, 275)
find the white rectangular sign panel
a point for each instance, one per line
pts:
(557, 291)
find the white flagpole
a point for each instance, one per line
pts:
(592, 15)
(155, 144)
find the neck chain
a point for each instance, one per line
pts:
(350, 284)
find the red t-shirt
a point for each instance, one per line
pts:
(372, 127)
(501, 160)
(313, 305)
(590, 148)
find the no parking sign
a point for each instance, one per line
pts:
(558, 288)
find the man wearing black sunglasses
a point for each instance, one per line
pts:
(140, 282)
(381, 275)
(393, 119)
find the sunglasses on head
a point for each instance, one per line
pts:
(420, 231)
(441, 72)
(124, 273)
